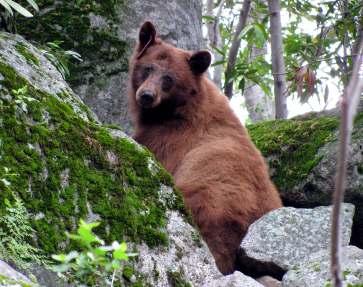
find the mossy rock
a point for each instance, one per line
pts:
(302, 157)
(64, 165)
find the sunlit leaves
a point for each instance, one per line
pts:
(96, 263)
(11, 6)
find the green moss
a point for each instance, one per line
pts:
(29, 56)
(176, 279)
(292, 146)
(63, 169)
(69, 22)
(6, 281)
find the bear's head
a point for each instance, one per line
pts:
(162, 76)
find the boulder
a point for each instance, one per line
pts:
(104, 33)
(9, 277)
(287, 236)
(60, 164)
(237, 279)
(302, 154)
(315, 272)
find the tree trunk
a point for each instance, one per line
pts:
(228, 89)
(259, 105)
(278, 65)
(214, 39)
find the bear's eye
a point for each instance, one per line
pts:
(166, 82)
(146, 72)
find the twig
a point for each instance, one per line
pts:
(349, 104)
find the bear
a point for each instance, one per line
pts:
(183, 118)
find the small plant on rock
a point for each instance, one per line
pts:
(15, 234)
(59, 57)
(96, 264)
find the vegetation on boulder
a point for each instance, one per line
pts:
(64, 167)
(294, 145)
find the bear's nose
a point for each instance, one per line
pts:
(146, 98)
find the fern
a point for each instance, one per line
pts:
(15, 235)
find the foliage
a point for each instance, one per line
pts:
(16, 233)
(96, 264)
(59, 57)
(11, 6)
(312, 56)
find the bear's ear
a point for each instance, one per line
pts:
(147, 37)
(200, 61)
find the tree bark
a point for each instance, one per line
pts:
(260, 106)
(214, 39)
(232, 56)
(355, 48)
(278, 65)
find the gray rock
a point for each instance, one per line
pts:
(106, 41)
(187, 257)
(287, 236)
(316, 271)
(319, 184)
(269, 281)
(237, 279)
(40, 72)
(9, 277)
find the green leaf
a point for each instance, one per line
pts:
(120, 251)
(6, 6)
(33, 4)
(116, 265)
(219, 51)
(21, 10)
(221, 62)
(59, 257)
(208, 18)
(246, 30)
(241, 84)
(61, 268)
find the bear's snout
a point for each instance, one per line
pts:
(146, 99)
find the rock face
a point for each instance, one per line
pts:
(63, 165)
(104, 34)
(315, 272)
(302, 159)
(287, 236)
(184, 262)
(237, 279)
(10, 277)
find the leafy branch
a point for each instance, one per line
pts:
(11, 6)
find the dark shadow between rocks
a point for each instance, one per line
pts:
(255, 269)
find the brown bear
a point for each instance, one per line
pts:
(183, 118)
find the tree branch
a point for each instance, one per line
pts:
(232, 56)
(349, 104)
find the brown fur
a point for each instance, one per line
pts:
(201, 142)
